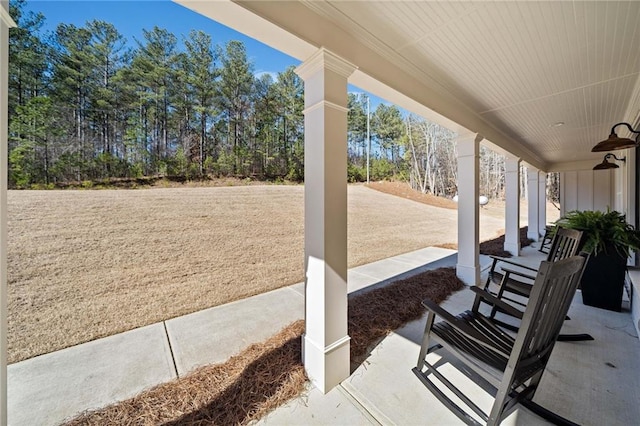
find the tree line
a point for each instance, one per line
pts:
(87, 105)
(84, 105)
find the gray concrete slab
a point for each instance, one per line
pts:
(398, 266)
(443, 262)
(337, 407)
(424, 256)
(530, 256)
(298, 288)
(213, 335)
(50, 388)
(357, 281)
(383, 269)
(399, 273)
(590, 383)
(385, 385)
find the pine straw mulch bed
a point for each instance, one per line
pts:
(268, 374)
(495, 247)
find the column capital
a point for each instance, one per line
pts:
(468, 145)
(532, 173)
(512, 164)
(322, 59)
(327, 104)
(477, 137)
(511, 157)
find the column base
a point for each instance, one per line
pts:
(326, 367)
(512, 248)
(470, 275)
(533, 235)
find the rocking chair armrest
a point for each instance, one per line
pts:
(462, 327)
(509, 271)
(439, 311)
(512, 262)
(497, 302)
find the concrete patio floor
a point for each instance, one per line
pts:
(591, 383)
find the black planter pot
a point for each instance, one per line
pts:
(603, 281)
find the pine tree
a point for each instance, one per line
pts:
(233, 100)
(154, 66)
(202, 83)
(107, 55)
(290, 96)
(73, 82)
(28, 64)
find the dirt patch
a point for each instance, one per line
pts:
(266, 375)
(404, 190)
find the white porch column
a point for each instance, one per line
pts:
(533, 213)
(326, 342)
(542, 202)
(468, 267)
(512, 205)
(5, 24)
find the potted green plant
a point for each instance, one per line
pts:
(609, 239)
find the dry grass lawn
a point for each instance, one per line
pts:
(88, 264)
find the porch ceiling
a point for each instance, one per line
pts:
(508, 70)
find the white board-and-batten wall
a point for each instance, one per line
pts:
(591, 190)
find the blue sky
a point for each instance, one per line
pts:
(131, 17)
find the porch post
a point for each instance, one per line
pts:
(533, 189)
(325, 350)
(542, 202)
(468, 267)
(5, 23)
(512, 205)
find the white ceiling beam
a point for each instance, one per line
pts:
(234, 16)
(6, 18)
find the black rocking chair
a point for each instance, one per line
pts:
(512, 366)
(514, 284)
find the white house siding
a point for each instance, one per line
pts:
(587, 190)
